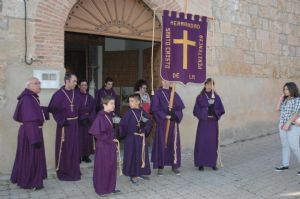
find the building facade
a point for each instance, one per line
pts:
(253, 49)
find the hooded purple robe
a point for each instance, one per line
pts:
(206, 145)
(29, 168)
(161, 155)
(87, 114)
(67, 120)
(105, 163)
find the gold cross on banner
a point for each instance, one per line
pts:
(185, 42)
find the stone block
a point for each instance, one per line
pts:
(251, 33)
(226, 27)
(229, 40)
(249, 57)
(293, 40)
(276, 48)
(260, 58)
(253, 9)
(262, 34)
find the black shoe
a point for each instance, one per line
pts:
(144, 177)
(87, 159)
(176, 172)
(116, 191)
(134, 181)
(201, 168)
(298, 173)
(37, 188)
(215, 168)
(160, 172)
(282, 168)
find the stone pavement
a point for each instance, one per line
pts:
(248, 172)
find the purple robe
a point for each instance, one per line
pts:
(29, 168)
(206, 145)
(103, 92)
(68, 120)
(105, 163)
(161, 155)
(87, 114)
(132, 161)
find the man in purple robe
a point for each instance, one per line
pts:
(64, 106)
(135, 126)
(208, 109)
(170, 154)
(105, 166)
(29, 168)
(107, 90)
(87, 114)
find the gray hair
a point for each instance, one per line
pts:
(30, 80)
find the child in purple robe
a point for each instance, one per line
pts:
(208, 109)
(135, 126)
(105, 166)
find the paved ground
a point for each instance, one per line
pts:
(248, 172)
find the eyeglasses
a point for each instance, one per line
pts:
(145, 88)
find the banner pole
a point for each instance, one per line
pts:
(172, 94)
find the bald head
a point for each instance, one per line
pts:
(33, 84)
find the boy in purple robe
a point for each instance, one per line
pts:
(29, 168)
(87, 114)
(107, 90)
(170, 154)
(135, 126)
(64, 107)
(105, 166)
(208, 109)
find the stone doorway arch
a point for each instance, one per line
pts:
(122, 18)
(50, 22)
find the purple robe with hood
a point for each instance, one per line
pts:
(161, 155)
(29, 168)
(105, 163)
(206, 145)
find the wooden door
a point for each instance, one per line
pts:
(122, 67)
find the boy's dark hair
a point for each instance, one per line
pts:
(135, 96)
(106, 99)
(83, 80)
(108, 79)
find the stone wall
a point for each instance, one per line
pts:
(253, 48)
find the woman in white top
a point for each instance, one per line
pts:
(289, 107)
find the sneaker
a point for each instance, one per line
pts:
(176, 171)
(298, 173)
(201, 168)
(215, 168)
(117, 191)
(144, 177)
(160, 172)
(282, 168)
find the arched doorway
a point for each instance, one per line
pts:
(112, 38)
